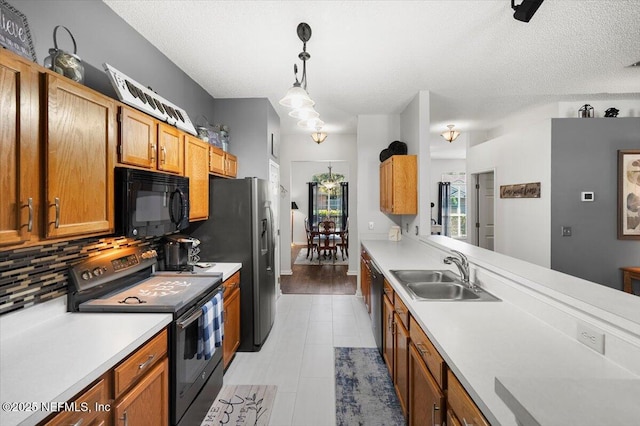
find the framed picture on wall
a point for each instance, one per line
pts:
(629, 195)
(14, 32)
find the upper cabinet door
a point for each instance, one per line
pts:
(18, 151)
(137, 145)
(80, 156)
(170, 149)
(196, 168)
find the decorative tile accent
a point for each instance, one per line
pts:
(32, 275)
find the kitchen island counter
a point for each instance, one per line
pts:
(513, 338)
(50, 355)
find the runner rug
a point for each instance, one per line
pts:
(364, 391)
(242, 405)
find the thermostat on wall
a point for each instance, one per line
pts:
(586, 196)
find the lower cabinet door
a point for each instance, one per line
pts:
(231, 339)
(401, 364)
(147, 403)
(426, 400)
(387, 333)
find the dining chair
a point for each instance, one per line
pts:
(329, 241)
(343, 240)
(312, 241)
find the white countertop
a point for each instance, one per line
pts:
(226, 269)
(484, 340)
(62, 352)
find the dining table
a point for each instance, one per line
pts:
(327, 242)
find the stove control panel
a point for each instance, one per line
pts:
(111, 265)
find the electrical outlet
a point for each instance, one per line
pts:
(370, 225)
(566, 231)
(592, 337)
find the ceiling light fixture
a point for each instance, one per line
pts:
(330, 182)
(318, 136)
(450, 135)
(297, 96)
(525, 10)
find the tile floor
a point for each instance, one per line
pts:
(298, 355)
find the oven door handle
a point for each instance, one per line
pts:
(184, 324)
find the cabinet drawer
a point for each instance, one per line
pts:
(232, 283)
(428, 352)
(402, 311)
(94, 398)
(388, 290)
(139, 363)
(462, 404)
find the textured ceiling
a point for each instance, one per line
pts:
(372, 57)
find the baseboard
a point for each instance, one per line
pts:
(287, 272)
(349, 272)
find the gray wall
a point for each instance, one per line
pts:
(584, 158)
(251, 122)
(102, 36)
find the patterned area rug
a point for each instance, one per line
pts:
(301, 259)
(242, 405)
(364, 392)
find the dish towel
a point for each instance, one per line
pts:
(210, 327)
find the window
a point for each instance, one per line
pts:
(457, 204)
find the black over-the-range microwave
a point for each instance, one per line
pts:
(150, 203)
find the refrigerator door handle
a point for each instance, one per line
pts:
(269, 237)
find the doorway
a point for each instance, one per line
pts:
(485, 207)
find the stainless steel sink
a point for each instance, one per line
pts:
(406, 276)
(439, 285)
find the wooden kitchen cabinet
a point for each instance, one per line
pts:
(231, 297)
(19, 132)
(401, 353)
(463, 409)
(430, 355)
(80, 147)
(388, 332)
(196, 168)
(148, 402)
(145, 142)
(96, 412)
(222, 163)
(426, 399)
(399, 185)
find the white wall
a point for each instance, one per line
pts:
(522, 226)
(300, 148)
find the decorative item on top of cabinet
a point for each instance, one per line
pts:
(399, 185)
(461, 405)
(196, 168)
(19, 130)
(231, 297)
(222, 163)
(79, 159)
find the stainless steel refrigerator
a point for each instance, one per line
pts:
(240, 229)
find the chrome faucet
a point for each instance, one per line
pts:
(461, 261)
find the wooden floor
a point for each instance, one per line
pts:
(317, 279)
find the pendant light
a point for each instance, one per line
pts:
(297, 96)
(318, 136)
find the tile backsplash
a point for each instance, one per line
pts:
(37, 274)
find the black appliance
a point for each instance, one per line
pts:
(377, 289)
(180, 252)
(150, 203)
(124, 280)
(240, 229)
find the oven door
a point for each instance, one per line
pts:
(191, 373)
(150, 203)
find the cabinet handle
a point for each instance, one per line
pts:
(401, 311)
(30, 206)
(124, 419)
(153, 153)
(56, 203)
(423, 349)
(146, 363)
(164, 154)
(433, 414)
(78, 423)
(464, 421)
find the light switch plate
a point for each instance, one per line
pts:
(591, 336)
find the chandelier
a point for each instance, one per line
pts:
(297, 97)
(331, 181)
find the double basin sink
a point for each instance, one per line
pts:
(439, 285)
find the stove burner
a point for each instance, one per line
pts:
(140, 301)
